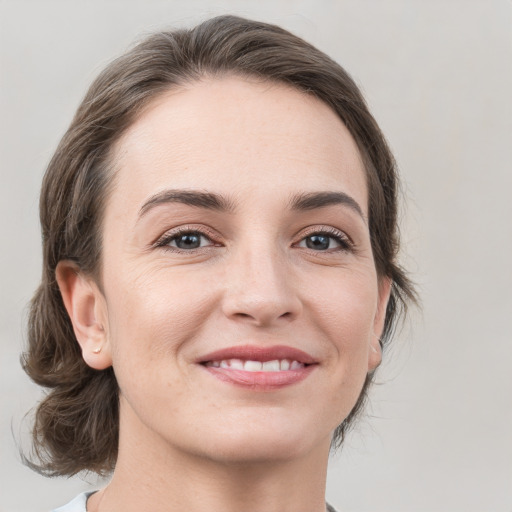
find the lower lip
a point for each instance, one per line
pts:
(261, 381)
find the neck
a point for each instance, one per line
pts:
(159, 477)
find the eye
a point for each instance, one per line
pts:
(189, 241)
(326, 241)
(185, 240)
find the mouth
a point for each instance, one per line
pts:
(259, 368)
(275, 365)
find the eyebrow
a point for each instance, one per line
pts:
(197, 198)
(212, 201)
(313, 200)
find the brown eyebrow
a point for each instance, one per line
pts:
(212, 201)
(196, 198)
(313, 200)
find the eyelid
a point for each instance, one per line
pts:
(163, 240)
(173, 233)
(327, 230)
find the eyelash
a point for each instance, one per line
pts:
(164, 241)
(345, 243)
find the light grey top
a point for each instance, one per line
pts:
(79, 504)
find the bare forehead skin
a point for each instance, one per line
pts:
(234, 124)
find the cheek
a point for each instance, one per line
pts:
(345, 316)
(347, 306)
(153, 313)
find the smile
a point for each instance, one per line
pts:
(259, 368)
(275, 365)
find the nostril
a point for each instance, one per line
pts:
(261, 308)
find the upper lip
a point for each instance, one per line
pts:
(259, 353)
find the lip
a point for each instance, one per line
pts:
(260, 381)
(258, 353)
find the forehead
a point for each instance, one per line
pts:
(237, 136)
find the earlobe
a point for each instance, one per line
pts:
(87, 310)
(375, 353)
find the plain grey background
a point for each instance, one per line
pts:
(438, 76)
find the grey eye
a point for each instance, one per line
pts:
(318, 242)
(191, 240)
(323, 242)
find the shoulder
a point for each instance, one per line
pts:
(79, 504)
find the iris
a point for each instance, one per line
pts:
(318, 242)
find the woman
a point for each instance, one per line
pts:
(220, 276)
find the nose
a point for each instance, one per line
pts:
(260, 289)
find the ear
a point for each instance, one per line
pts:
(87, 310)
(375, 353)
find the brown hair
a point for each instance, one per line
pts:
(76, 424)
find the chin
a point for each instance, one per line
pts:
(254, 451)
(264, 442)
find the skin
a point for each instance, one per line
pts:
(187, 438)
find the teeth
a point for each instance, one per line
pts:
(296, 365)
(271, 366)
(253, 366)
(236, 364)
(257, 366)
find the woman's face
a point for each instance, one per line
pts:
(236, 235)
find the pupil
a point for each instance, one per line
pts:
(188, 241)
(318, 242)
